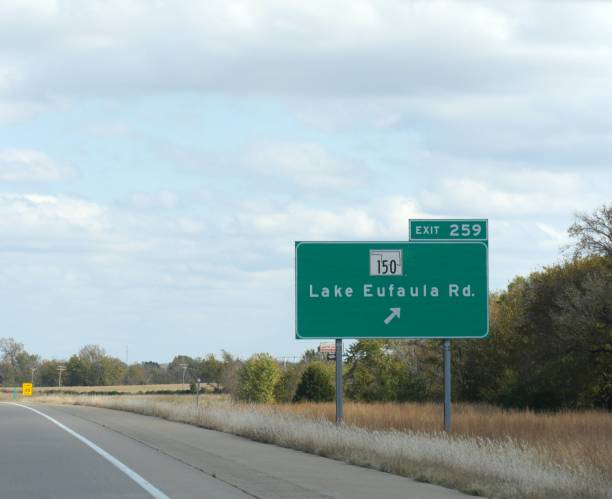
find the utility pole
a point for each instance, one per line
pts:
(184, 367)
(32, 369)
(60, 369)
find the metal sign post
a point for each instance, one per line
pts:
(447, 385)
(339, 388)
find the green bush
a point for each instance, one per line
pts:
(285, 389)
(316, 384)
(411, 388)
(257, 379)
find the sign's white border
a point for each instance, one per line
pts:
(343, 337)
(471, 240)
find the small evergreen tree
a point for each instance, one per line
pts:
(316, 384)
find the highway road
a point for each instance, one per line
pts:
(84, 452)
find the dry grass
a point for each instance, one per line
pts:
(572, 437)
(491, 452)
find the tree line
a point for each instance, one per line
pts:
(92, 366)
(549, 348)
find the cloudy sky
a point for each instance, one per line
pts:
(159, 158)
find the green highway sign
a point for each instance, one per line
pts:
(449, 230)
(391, 290)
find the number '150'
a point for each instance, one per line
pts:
(387, 266)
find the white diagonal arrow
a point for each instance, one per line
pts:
(395, 312)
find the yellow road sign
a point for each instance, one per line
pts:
(26, 389)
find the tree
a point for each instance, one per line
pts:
(92, 367)
(592, 234)
(210, 370)
(10, 349)
(284, 391)
(316, 384)
(311, 355)
(77, 372)
(155, 373)
(113, 371)
(230, 372)
(550, 343)
(584, 326)
(411, 387)
(175, 368)
(420, 364)
(375, 371)
(257, 379)
(47, 374)
(137, 375)
(15, 362)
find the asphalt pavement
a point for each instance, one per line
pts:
(86, 452)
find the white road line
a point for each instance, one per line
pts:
(151, 489)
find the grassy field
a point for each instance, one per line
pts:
(575, 438)
(495, 453)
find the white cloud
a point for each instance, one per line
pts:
(190, 226)
(18, 110)
(29, 165)
(296, 222)
(556, 238)
(514, 193)
(307, 164)
(37, 216)
(384, 218)
(318, 48)
(394, 212)
(112, 129)
(147, 200)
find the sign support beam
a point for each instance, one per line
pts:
(447, 385)
(339, 387)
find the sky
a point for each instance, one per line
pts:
(158, 159)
